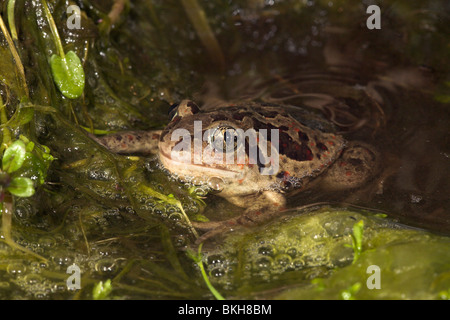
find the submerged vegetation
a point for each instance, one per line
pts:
(124, 221)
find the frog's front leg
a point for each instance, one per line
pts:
(260, 208)
(129, 142)
(265, 206)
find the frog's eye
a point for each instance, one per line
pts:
(173, 111)
(225, 139)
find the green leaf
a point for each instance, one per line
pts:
(21, 187)
(14, 156)
(200, 218)
(29, 147)
(102, 290)
(68, 74)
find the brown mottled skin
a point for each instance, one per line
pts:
(309, 149)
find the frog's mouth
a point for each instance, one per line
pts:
(192, 169)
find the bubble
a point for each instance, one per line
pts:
(59, 287)
(332, 228)
(160, 210)
(215, 183)
(264, 263)
(176, 216)
(74, 231)
(197, 181)
(201, 191)
(267, 250)
(106, 266)
(63, 260)
(40, 295)
(151, 165)
(112, 212)
(34, 267)
(47, 241)
(298, 263)
(16, 268)
(170, 209)
(22, 242)
(215, 259)
(130, 210)
(217, 272)
(292, 251)
(33, 278)
(179, 241)
(283, 260)
(319, 236)
(23, 211)
(193, 209)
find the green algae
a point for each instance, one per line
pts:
(309, 256)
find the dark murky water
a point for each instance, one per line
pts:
(355, 79)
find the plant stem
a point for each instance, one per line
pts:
(15, 55)
(6, 209)
(213, 290)
(199, 20)
(170, 200)
(12, 25)
(6, 133)
(54, 30)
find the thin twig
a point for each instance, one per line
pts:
(15, 55)
(199, 20)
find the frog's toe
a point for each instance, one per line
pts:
(214, 229)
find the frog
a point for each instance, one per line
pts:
(228, 149)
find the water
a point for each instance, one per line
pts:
(357, 79)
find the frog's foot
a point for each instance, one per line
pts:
(215, 228)
(357, 164)
(267, 205)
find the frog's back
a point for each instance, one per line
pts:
(307, 143)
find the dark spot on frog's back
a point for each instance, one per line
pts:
(287, 146)
(268, 114)
(299, 152)
(194, 108)
(321, 146)
(302, 136)
(219, 117)
(241, 115)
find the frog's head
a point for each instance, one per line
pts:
(212, 145)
